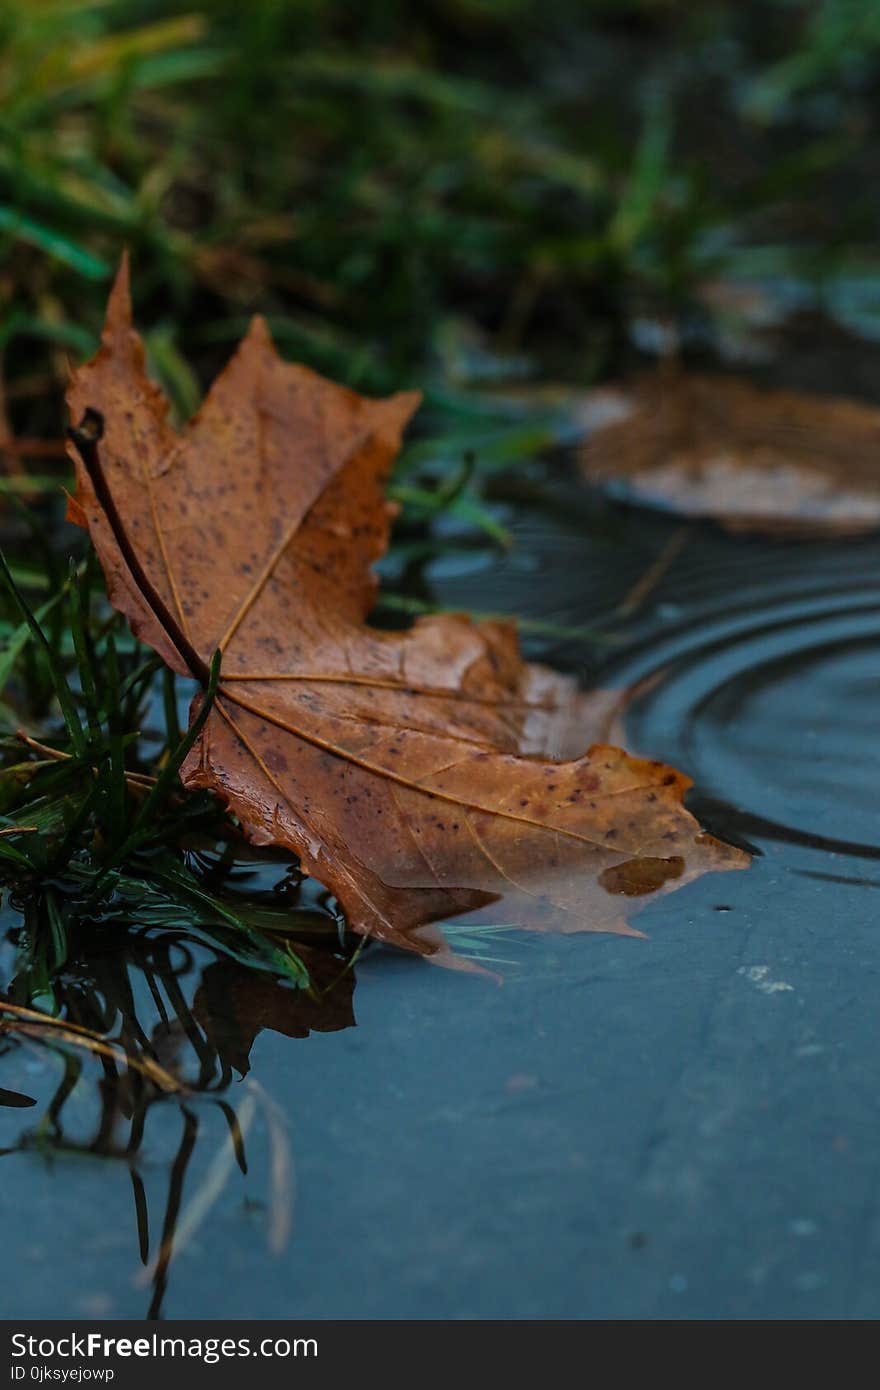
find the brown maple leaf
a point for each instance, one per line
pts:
(775, 462)
(416, 774)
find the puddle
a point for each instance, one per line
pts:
(678, 1127)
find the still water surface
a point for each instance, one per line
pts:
(685, 1126)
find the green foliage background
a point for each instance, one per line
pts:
(413, 191)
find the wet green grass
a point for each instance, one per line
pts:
(92, 825)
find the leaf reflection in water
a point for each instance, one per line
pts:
(169, 1024)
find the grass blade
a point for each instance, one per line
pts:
(62, 689)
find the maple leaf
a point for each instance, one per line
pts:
(775, 462)
(416, 774)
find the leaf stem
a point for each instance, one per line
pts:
(168, 776)
(85, 437)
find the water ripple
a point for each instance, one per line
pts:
(767, 693)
